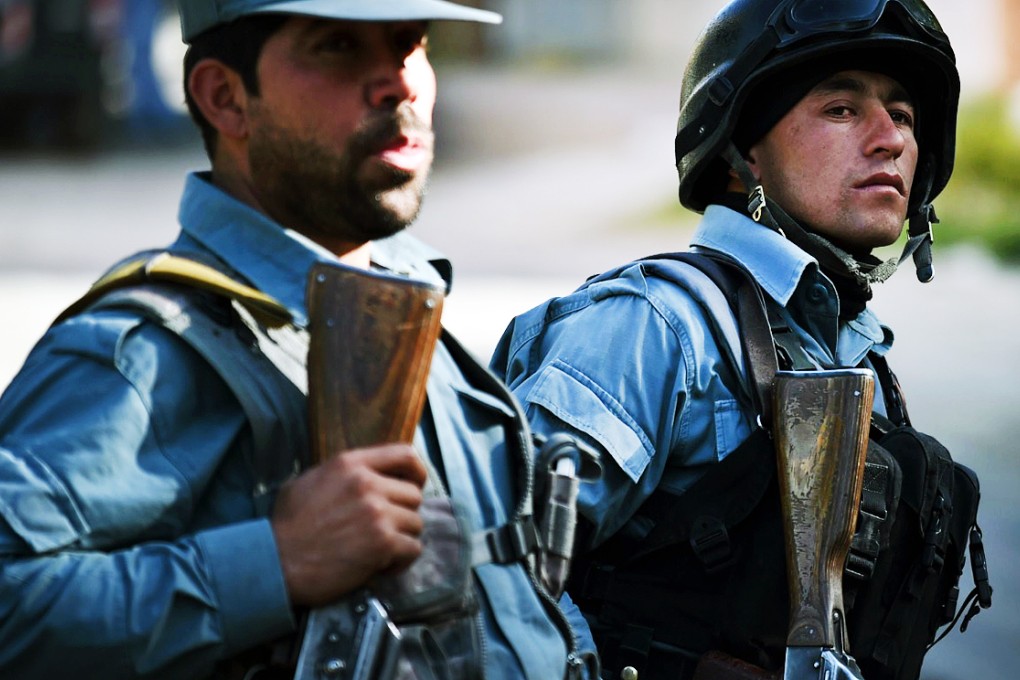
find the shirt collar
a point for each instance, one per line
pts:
(779, 267)
(776, 264)
(276, 260)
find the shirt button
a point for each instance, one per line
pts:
(818, 294)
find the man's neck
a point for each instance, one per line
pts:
(352, 254)
(360, 256)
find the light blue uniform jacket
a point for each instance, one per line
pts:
(130, 544)
(631, 364)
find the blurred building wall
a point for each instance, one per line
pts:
(1010, 13)
(658, 34)
(651, 31)
(979, 39)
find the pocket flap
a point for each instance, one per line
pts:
(578, 401)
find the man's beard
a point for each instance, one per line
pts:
(316, 191)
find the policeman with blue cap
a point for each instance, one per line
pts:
(160, 516)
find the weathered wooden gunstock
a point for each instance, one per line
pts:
(371, 346)
(821, 436)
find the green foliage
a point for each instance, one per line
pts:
(982, 202)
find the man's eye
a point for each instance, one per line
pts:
(840, 111)
(336, 43)
(409, 40)
(902, 118)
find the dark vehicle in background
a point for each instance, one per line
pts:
(73, 72)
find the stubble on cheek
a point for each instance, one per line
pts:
(342, 191)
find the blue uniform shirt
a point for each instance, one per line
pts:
(129, 540)
(631, 364)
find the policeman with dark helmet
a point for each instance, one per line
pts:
(757, 59)
(810, 132)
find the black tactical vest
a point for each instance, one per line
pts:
(711, 573)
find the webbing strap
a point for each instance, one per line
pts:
(746, 300)
(874, 515)
(257, 353)
(255, 369)
(759, 346)
(165, 267)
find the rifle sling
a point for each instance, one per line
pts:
(746, 299)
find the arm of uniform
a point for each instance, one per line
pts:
(628, 365)
(128, 544)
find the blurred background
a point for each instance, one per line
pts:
(555, 161)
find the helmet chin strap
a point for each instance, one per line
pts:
(829, 255)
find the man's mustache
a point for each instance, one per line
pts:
(379, 131)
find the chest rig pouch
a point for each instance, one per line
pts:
(710, 575)
(901, 580)
(421, 624)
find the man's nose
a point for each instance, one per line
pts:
(390, 83)
(885, 136)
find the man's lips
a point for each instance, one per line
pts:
(408, 153)
(884, 179)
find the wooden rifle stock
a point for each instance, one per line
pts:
(820, 432)
(371, 346)
(821, 437)
(372, 340)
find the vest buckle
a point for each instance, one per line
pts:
(711, 544)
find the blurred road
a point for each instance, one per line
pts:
(546, 180)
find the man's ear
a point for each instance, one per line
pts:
(733, 181)
(219, 94)
(752, 156)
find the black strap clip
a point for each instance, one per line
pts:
(934, 556)
(711, 543)
(506, 544)
(979, 567)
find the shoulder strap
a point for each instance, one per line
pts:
(224, 321)
(895, 404)
(167, 267)
(747, 303)
(764, 335)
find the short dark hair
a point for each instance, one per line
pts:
(238, 45)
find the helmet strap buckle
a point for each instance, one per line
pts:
(922, 236)
(756, 203)
(757, 206)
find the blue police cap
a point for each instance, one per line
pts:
(200, 15)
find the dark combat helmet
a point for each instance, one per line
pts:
(751, 42)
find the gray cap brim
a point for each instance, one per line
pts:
(200, 15)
